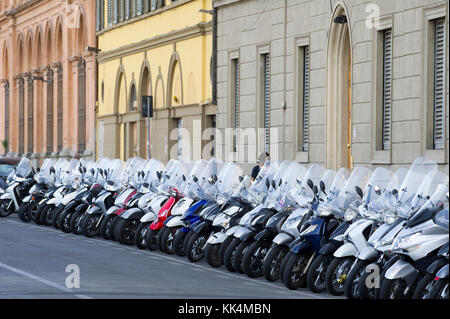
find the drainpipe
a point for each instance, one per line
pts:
(214, 54)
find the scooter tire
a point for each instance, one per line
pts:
(4, 211)
(85, 226)
(104, 226)
(212, 253)
(38, 217)
(24, 212)
(248, 257)
(165, 247)
(387, 287)
(274, 252)
(113, 228)
(76, 222)
(421, 290)
(55, 216)
(140, 235)
(438, 289)
(321, 262)
(283, 264)
(334, 264)
(178, 243)
(151, 240)
(353, 278)
(46, 214)
(291, 264)
(121, 235)
(230, 254)
(186, 240)
(196, 243)
(64, 221)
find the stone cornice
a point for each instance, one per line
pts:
(163, 39)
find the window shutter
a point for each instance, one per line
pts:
(305, 98)
(116, 11)
(387, 76)
(439, 76)
(236, 101)
(140, 5)
(110, 12)
(266, 101)
(127, 9)
(6, 121)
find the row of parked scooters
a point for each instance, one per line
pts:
(365, 234)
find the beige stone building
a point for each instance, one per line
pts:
(341, 83)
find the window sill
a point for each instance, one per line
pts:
(439, 156)
(302, 157)
(381, 157)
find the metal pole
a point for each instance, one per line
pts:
(148, 137)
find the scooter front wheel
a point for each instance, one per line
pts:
(76, 222)
(89, 225)
(24, 214)
(273, 261)
(316, 274)
(440, 289)
(294, 274)
(212, 253)
(178, 243)
(424, 287)
(151, 239)
(167, 240)
(141, 234)
(195, 250)
(337, 273)
(6, 207)
(126, 229)
(253, 259)
(394, 289)
(230, 254)
(351, 287)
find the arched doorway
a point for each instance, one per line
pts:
(339, 93)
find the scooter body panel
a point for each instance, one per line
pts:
(217, 238)
(283, 239)
(401, 269)
(346, 250)
(443, 272)
(175, 221)
(133, 213)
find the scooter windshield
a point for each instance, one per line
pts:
(280, 183)
(198, 178)
(388, 199)
(174, 177)
(134, 165)
(227, 181)
(113, 175)
(436, 200)
(347, 195)
(24, 168)
(414, 178)
(429, 185)
(257, 192)
(379, 180)
(44, 176)
(301, 193)
(150, 170)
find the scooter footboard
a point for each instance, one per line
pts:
(402, 269)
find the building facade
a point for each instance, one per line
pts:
(336, 82)
(160, 49)
(47, 78)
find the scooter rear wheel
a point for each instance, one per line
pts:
(24, 212)
(6, 207)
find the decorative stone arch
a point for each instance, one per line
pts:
(48, 42)
(5, 60)
(130, 95)
(338, 98)
(159, 85)
(38, 45)
(20, 49)
(58, 38)
(119, 76)
(174, 63)
(81, 35)
(145, 84)
(29, 49)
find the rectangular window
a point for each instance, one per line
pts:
(386, 85)
(110, 12)
(439, 86)
(99, 16)
(303, 98)
(116, 11)
(235, 100)
(139, 7)
(265, 96)
(127, 9)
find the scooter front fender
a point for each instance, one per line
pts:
(6, 196)
(112, 210)
(402, 269)
(301, 246)
(199, 226)
(149, 217)
(94, 210)
(264, 235)
(54, 201)
(81, 207)
(242, 233)
(26, 199)
(346, 250)
(329, 248)
(368, 253)
(283, 239)
(232, 230)
(443, 272)
(436, 266)
(133, 213)
(217, 238)
(175, 221)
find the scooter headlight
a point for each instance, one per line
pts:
(221, 199)
(308, 230)
(389, 217)
(350, 215)
(322, 211)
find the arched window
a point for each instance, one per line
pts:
(133, 99)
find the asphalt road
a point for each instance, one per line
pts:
(33, 261)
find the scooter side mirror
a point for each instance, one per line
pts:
(241, 178)
(299, 181)
(84, 169)
(322, 186)
(195, 179)
(267, 184)
(273, 184)
(80, 169)
(52, 170)
(92, 171)
(184, 178)
(281, 181)
(211, 180)
(394, 192)
(315, 190)
(310, 183)
(38, 169)
(158, 174)
(359, 191)
(377, 190)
